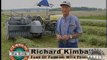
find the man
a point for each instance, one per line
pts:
(68, 28)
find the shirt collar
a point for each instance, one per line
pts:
(67, 17)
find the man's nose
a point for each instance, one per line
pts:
(64, 9)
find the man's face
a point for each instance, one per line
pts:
(65, 9)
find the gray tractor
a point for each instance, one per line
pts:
(24, 27)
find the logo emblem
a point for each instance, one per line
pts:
(96, 54)
(19, 52)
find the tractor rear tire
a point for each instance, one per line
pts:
(37, 35)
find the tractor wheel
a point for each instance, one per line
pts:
(40, 35)
(37, 35)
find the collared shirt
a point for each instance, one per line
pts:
(68, 26)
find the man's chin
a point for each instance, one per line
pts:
(65, 14)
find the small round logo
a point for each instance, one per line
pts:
(19, 52)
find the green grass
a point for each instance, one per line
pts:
(44, 42)
(101, 17)
(93, 23)
(95, 30)
(93, 40)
